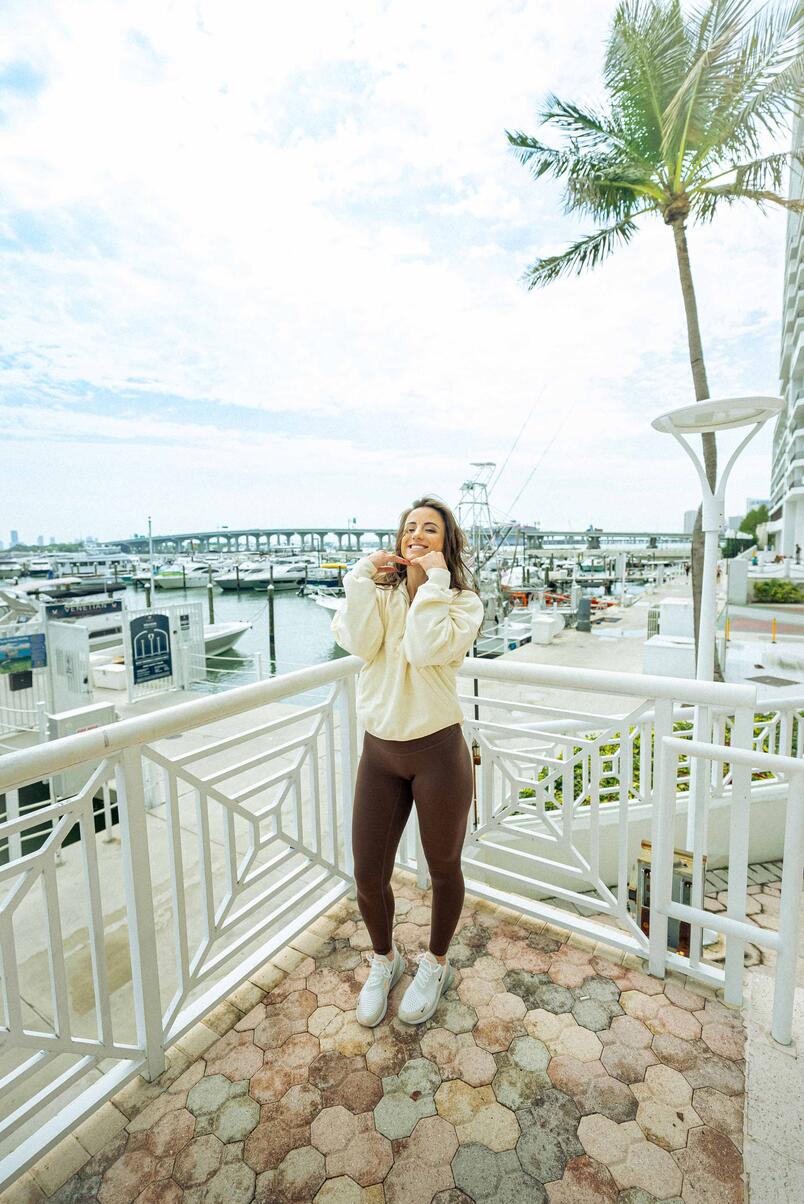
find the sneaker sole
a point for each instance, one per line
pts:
(395, 977)
(444, 987)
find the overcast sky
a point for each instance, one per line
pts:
(261, 264)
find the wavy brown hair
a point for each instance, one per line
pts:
(454, 550)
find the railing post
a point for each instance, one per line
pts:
(665, 769)
(789, 915)
(347, 712)
(140, 907)
(739, 823)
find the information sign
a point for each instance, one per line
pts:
(150, 648)
(22, 653)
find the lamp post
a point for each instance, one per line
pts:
(710, 416)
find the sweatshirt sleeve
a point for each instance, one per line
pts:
(441, 626)
(357, 623)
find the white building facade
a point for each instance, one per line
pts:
(786, 507)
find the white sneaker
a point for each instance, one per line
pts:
(384, 974)
(421, 998)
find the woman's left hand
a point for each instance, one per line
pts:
(430, 560)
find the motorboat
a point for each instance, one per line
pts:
(191, 574)
(38, 568)
(281, 574)
(104, 622)
(10, 568)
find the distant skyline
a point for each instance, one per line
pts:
(263, 271)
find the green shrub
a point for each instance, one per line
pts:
(777, 591)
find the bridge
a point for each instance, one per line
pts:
(265, 539)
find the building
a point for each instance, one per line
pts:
(786, 507)
(15, 538)
(689, 521)
(40, 541)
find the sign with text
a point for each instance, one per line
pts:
(83, 609)
(150, 648)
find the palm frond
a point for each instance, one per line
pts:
(540, 159)
(647, 53)
(706, 201)
(766, 172)
(592, 130)
(766, 87)
(715, 34)
(586, 253)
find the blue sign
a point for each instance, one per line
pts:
(150, 648)
(21, 653)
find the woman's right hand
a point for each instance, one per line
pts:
(385, 561)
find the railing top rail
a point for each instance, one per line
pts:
(753, 758)
(602, 681)
(43, 760)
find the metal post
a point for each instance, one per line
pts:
(210, 599)
(147, 596)
(150, 592)
(789, 916)
(271, 625)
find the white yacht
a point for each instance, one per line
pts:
(290, 574)
(190, 574)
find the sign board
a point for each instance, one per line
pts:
(149, 637)
(22, 653)
(83, 609)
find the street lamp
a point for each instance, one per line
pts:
(707, 417)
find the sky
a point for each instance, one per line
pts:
(261, 264)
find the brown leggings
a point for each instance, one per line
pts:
(435, 772)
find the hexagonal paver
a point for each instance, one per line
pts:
(236, 1118)
(208, 1094)
(420, 1076)
(231, 1184)
(538, 991)
(712, 1169)
(586, 1181)
(549, 1135)
(475, 1112)
(562, 1034)
(235, 1055)
(457, 1056)
(367, 1157)
(396, 1115)
(725, 1040)
(487, 1176)
(297, 1178)
(632, 1161)
(721, 1112)
(198, 1161)
(333, 1128)
(495, 1035)
(593, 1088)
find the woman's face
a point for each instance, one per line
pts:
(423, 532)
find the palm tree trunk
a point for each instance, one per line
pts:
(701, 386)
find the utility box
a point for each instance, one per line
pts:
(737, 583)
(69, 723)
(678, 931)
(676, 617)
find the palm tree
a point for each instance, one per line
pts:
(693, 101)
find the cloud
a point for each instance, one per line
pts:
(316, 219)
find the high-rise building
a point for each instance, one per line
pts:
(689, 521)
(15, 538)
(786, 505)
(40, 541)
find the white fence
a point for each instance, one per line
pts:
(234, 823)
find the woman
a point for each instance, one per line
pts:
(412, 615)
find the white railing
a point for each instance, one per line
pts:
(733, 924)
(234, 823)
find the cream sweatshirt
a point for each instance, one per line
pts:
(412, 650)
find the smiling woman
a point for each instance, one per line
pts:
(412, 615)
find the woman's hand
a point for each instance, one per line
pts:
(385, 561)
(430, 560)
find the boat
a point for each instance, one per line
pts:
(282, 574)
(38, 568)
(105, 623)
(191, 574)
(10, 568)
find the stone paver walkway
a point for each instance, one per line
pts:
(552, 1071)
